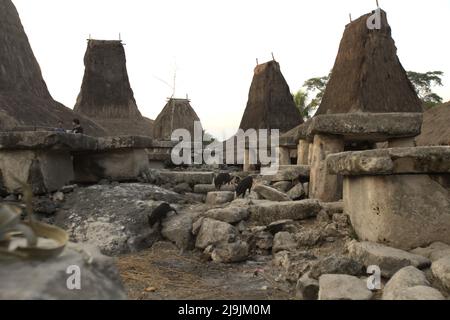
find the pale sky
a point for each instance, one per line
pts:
(214, 45)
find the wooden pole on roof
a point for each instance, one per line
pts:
(273, 57)
(350, 16)
(377, 4)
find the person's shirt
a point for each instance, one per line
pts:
(77, 129)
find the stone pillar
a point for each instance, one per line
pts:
(324, 186)
(284, 156)
(303, 152)
(310, 153)
(250, 157)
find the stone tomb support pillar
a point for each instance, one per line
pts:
(323, 185)
(303, 152)
(284, 156)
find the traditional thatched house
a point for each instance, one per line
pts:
(106, 95)
(177, 114)
(367, 75)
(270, 103)
(369, 99)
(436, 126)
(25, 101)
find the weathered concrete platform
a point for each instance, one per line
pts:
(399, 197)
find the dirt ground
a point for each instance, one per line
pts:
(165, 273)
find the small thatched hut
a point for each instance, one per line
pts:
(24, 98)
(270, 103)
(436, 126)
(106, 95)
(177, 114)
(367, 75)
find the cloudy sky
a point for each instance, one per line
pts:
(213, 45)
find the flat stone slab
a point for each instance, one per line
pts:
(191, 177)
(268, 211)
(391, 161)
(288, 173)
(44, 140)
(376, 127)
(50, 140)
(390, 260)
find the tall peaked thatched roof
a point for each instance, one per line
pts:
(436, 126)
(106, 93)
(270, 103)
(177, 114)
(367, 75)
(24, 97)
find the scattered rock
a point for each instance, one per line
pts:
(213, 232)
(308, 238)
(284, 241)
(195, 197)
(307, 288)
(197, 225)
(343, 287)
(405, 278)
(10, 198)
(44, 206)
(182, 188)
(323, 216)
(230, 252)
(264, 240)
(337, 264)
(219, 197)
(390, 260)
(280, 225)
(178, 229)
(58, 196)
(297, 192)
(283, 186)
(306, 189)
(419, 293)
(230, 214)
(268, 212)
(69, 189)
(435, 251)
(441, 271)
(47, 280)
(271, 194)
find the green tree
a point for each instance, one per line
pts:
(424, 83)
(309, 97)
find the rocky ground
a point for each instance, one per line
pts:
(266, 246)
